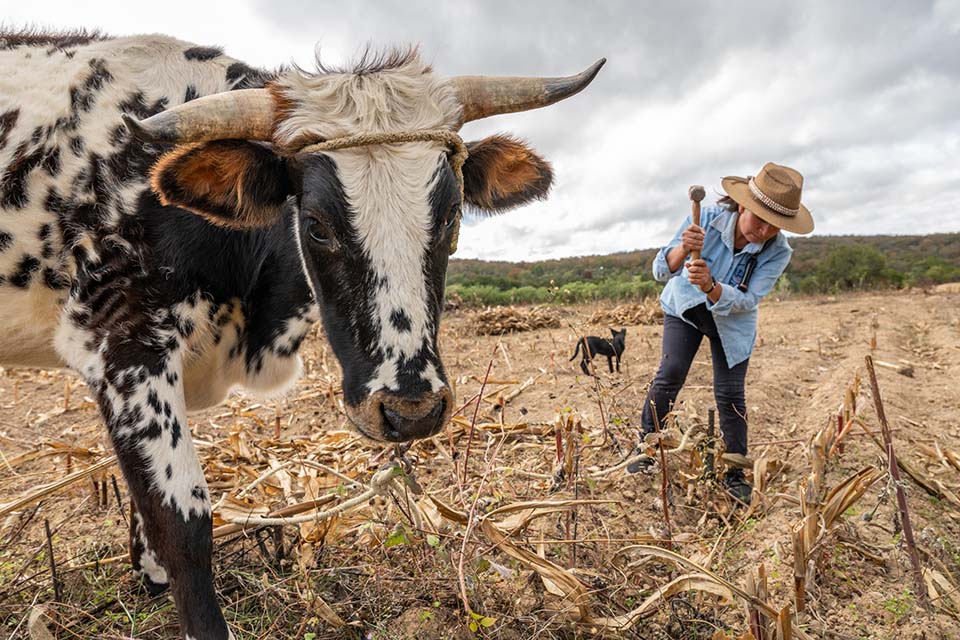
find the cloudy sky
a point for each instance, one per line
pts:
(863, 97)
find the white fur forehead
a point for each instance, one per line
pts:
(406, 97)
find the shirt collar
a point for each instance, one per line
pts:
(726, 224)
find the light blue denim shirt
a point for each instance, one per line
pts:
(736, 311)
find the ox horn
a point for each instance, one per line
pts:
(484, 96)
(244, 114)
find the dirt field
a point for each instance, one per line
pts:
(374, 572)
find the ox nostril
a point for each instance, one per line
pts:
(394, 423)
(399, 427)
(393, 417)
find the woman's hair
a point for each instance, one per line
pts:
(728, 203)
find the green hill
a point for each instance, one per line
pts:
(820, 264)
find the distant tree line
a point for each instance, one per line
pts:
(820, 264)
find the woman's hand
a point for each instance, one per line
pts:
(691, 239)
(698, 273)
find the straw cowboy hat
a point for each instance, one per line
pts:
(774, 196)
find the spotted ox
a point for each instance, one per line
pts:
(168, 231)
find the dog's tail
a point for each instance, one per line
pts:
(576, 351)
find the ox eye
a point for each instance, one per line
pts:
(320, 234)
(451, 218)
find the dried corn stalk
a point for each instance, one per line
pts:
(500, 320)
(647, 312)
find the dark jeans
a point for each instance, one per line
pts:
(680, 344)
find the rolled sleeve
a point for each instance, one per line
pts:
(732, 300)
(661, 270)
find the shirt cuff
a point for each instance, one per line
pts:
(724, 303)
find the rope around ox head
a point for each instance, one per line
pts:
(450, 138)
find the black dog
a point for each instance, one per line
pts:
(601, 346)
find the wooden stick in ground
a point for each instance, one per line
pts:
(838, 445)
(603, 417)
(753, 614)
(576, 496)
(473, 423)
(901, 494)
(461, 577)
(711, 444)
(53, 564)
(116, 493)
(663, 474)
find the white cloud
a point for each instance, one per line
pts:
(862, 97)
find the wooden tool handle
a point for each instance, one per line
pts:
(695, 255)
(696, 193)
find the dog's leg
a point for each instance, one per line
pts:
(583, 365)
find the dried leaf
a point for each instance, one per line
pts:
(240, 444)
(323, 611)
(573, 591)
(396, 538)
(688, 582)
(847, 493)
(37, 624)
(941, 591)
(679, 560)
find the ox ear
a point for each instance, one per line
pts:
(502, 172)
(231, 183)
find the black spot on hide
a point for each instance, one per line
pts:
(27, 266)
(77, 145)
(202, 53)
(400, 320)
(13, 181)
(55, 280)
(243, 76)
(8, 120)
(153, 430)
(174, 433)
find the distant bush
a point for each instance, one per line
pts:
(932, 270)
(853, 267)
(635, 288)
(479, 295)
(621, 289)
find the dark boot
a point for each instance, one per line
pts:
(644, 464)
(737, 486)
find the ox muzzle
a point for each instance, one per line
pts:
(390, 417)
